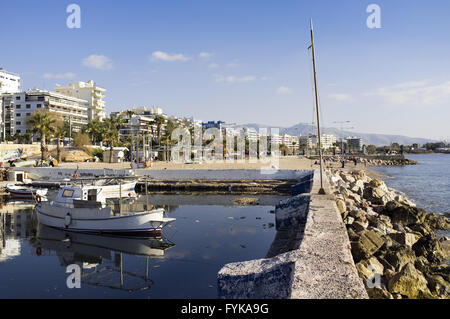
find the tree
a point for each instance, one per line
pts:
(159, 121)
(42, 123)
(371, 149)
(60, 132)
(96, 130)
(112, 129)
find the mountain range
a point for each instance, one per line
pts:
(367, 138)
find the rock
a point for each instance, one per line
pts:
(341, 206)
(409, 282)
(359, 226)
(429, 247)
(379, 293)
(405, 215)
(399, 256)
(445, 238)
(368, 267)
(352, 235)
(422, 264)
(407, 239)
(423, 229)
(349, 220)
(348, 178)
(367, 244)
(438, 285)
(245, 201)
(438, 221)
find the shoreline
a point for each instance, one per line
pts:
(391, 237)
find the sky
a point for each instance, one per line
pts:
(245, 61)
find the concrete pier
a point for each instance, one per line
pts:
(318, 263)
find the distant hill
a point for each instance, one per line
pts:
(368, 138)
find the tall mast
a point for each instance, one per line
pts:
(321, 191)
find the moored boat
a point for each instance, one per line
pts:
(82, 209)
(25, 192)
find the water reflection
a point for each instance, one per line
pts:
(101, 257)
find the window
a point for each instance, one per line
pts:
(68, 193)
(17, 114)
(17, 131)
(18, 98)
(18, 123)
(28, 106)
(28, 114)
(18, 106)
(38, 106)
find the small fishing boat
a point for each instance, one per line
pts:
(83, 209)
(25, 192)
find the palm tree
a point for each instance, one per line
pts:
(60, 132)
(159, 121)
(112, 129)
(42, 123)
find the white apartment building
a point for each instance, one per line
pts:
(9, 83)
(23, 104)
(311, 141)
(89, 92)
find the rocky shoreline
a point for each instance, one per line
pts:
(367, 161)
(393, 243)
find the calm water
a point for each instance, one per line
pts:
(182, 264)
(427, 184)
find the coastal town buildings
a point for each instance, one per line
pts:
(354, 143)
(89, 92)
(9, 83)
(20, 106)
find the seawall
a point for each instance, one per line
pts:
(310, 257)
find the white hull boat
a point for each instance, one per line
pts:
(91, 220)
(25, 192)
(82, 209)
(112, 191)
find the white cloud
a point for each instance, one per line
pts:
(99, 62)
(283, 90)
(414, 92)
(339, 96)
(213, 66)
(234, 79)
(59, 76)
(233, 64)
(164, 56)
(206, 55)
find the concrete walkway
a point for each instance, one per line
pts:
(321, 266)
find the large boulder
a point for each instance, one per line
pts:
(366, 245)
(403, 214)
(399, 256)
(409, 282)
(369, 267)
(377, 192)
(77, 156)
(429, 247)
(438, 285)
(438, 221)
(407, 239)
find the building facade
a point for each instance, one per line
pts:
(9, 84)
(20, 106)
(89, 92)
(354, 143)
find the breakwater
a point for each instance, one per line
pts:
(310, 256)
(393, 242)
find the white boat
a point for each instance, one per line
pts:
(112, 190)
(82, 209)
(25, 192)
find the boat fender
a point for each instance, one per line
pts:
(67, 220)
(38, 199)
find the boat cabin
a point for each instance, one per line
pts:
(80, 197)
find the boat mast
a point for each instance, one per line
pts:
(321, 190)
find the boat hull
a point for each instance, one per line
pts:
(26, 193)
(99, 221)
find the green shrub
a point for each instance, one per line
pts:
(98, 152)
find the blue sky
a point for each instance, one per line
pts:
(245, 61)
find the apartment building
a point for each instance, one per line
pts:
(9, 83)
(354, 143)
(20, 106)
(89, 92)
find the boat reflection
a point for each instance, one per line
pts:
(101, 257)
